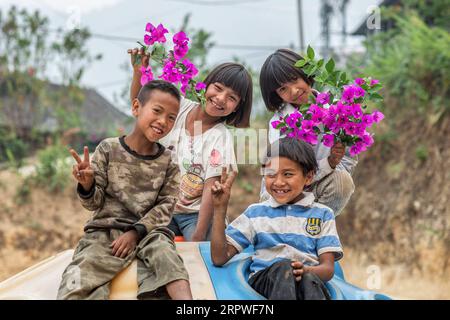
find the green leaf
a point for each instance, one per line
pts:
(330, 65)
(304, 108)
(307, 69)
(376, 87)
(324, 76)
(310, 52)
(301, 63)
(331, 98)
(376, 96)
(320, 63)
(313, 69)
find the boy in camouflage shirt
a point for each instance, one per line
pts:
(131, 185)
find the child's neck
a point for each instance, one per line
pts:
(297, 198)
(198, 114)
(140, 144)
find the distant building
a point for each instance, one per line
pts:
(98, 118)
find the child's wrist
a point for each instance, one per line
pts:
(87, 186)
(220, 209)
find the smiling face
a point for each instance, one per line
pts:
(285, 180)
(220, 100)
(295, 92)
(156, 118)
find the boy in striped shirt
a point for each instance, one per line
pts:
(295, 238)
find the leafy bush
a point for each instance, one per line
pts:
(413, 62)
(12, 149)
(53, 169)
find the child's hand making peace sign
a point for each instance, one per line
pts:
(221, 191)
(82, 171)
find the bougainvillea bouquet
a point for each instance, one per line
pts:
(338, 112)
(176, 67)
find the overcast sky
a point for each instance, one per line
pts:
(272, 23)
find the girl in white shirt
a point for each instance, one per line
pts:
(202, 144)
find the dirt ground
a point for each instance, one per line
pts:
(49, 223)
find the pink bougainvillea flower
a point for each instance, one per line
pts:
(342, 121)
(344, 110)
(318, 117)
(148, 38)
(184, 87)
(347, 109)
(308, 125)
(367, 119)
(147, 75)
(170, 71)
(377, 116)
(357, 111)
(359, 81)
(314, 108)
(180, 38)
(180, 51)
(354, 150)
(159, 33)
(181, 45)
(323, 98)
(374, 82)
(200, 86)
(360, 129)
(358, 92)
(293, 118)
(329, 121)
(328, 140)
(191, 70)
(275, 123)
(351, 128)
(156, 34)
(332, 111)
(348, 93)
(367, 139)
(308, 136)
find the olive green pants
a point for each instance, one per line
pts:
(93, 266)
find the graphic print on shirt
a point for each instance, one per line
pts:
(215, 159)
(314, 226)
(191, 184)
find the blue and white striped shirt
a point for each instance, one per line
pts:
(298, 232)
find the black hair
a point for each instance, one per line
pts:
(278, 69)
(236, 77)
(296, 150)
(161, 85)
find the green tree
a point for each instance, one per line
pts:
(26, 52)
(413, 62)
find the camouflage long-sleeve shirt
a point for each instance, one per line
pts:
(130, 190)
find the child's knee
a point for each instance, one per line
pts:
(284, 269)
(310, 277)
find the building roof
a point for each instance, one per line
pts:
(97, 115)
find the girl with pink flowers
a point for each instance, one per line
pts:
(201, 142)
(284, 88)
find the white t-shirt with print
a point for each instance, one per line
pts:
(199, 157)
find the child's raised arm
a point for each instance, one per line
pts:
(137, 55)
(221, 251)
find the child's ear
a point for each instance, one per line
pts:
(309, 178)
(135, 107)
